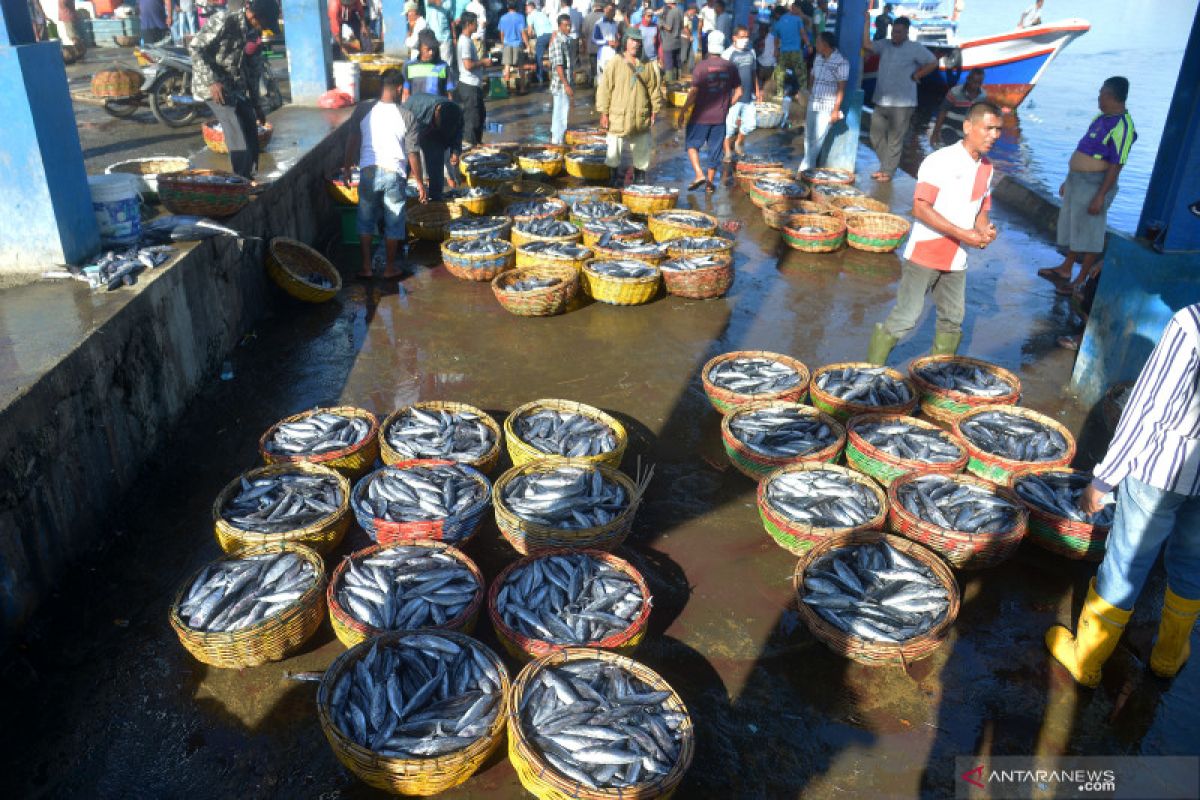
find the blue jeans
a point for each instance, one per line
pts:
(1146, 518)
(381, 194)
(539, 51)
(708, 140)
(183, 24)
(560, 114)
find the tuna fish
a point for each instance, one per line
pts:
(840, 191)
(598, 209)
(650, 189)
(533, 208)
(822, 498)
(620, 226)
(485, 246)
(1059, 493)
(452, 435)
(753, 375)
(473, 227)
(782, 432)
(823, 175)
(545, 227)
(633, 249)
(690, 264)
(564, 433)
(1013, 437)
(910, 442)
(532, 284)
(318, 433)
(963, 377)
(418, 493)
(689, 218)
(623, 269)
(787, 188)
(564, 250)
(958, 506)
(566, 497)
(405, 588)
(865, 385)
(282, 502)
(700, 244)
(236, 593)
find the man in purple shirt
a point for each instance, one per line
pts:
(715, 86)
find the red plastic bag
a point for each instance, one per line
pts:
(335, 99)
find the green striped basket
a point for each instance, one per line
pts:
(884, 467)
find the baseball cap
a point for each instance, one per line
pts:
(716, 42)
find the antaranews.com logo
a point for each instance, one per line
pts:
(1000, 777)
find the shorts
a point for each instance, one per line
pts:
(745, 113)
(381, 193)
(709, 139)
(1078, 230)
(511, 56)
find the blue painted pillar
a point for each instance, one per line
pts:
(741, 10)
(48, 215)
(395, 27)
(308, 49)
(843, 138)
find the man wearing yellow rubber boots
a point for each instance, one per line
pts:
(1154, 461)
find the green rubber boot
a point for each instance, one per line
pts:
(945, 344)
(881, 345)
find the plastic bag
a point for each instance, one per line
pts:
(334, 99)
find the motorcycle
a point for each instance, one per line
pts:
(166, 87)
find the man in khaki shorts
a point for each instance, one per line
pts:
(1091, 185)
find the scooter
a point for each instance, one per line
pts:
(166, 87)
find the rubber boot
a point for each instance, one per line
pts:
(1171, 649)
(881, 345)
(945, 344)
(639, 176)
(1096, 635)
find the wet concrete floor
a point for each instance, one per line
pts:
(103, 702)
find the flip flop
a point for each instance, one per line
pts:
(1065, 289)
(1051, 274)
(1068, 343)
(884, 178)
(694, 185)
(709, 188)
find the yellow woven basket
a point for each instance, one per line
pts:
(522, 453)
(485, 464)
(644, 203)
(428, 221)
(588, 171)
(527, 258)
(861, 204)
(290, 263)
(479, 206)
(351, 462)
(323, 535)
(621, 291)
(520, 237)
(664, 230)
(269, 640)
(547, 166)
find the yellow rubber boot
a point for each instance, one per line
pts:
(1096, 635)
(1171, 649)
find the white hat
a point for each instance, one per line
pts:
(411, 6)
(716, 42)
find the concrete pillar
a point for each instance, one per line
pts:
(48, 215)
(395, 27)
(308, 49)
(843, 138)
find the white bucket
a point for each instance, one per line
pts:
(346, 78)
(117, 209)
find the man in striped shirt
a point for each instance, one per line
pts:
(1154, 462)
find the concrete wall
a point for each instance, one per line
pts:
(74, 443)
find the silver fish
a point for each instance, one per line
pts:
(405, 588)
(486, 159)
(545, 227)
(623, 269)
(468, 192)
(620, 226)
(236, 593)
(788, 188)
(566, 250)
(1059, 493)
(809, 230)
(534, 208)
(754, 375)
(823, 175)
(1014, 437)
(645, 188)
(598, 209)
(840, 191)
(689, 264)
(452, 435)
(865, 385)
(531, 284)
(282, 502)
(478, 247)
(566, 497)
(542, 155)
(700, 244)
(317, 433)
(565, 433)
(963, 377)
(630, 248)
(822, 498)
(689, 218)
(472, 227)
(419, 493)
(958, 506)
(782, 432)
(910, 442)
(496, 173)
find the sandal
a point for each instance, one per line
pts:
(1052, 274)
(1065, 289)
(884, 178)
(1069, 342)
(709, 188)
(696, 184)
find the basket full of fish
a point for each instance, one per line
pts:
(544, 161)
(477, 259)
(608, 248)
(950, 386)
(301, 271)
(646, 199)
(540, 291)
(587, 165)
(886, 446)
(1055, 520)
(301, 503)
(536, 254)
(876, 599)
(814, 233)
(545, 230)
(966, 520)
(441, 429)
(762, 436)
(414, 712)
(588, 211)
(674, 223)
(539, 209)
(525, 190)
(421, 499)
(404, 587)
(495, 227)
(569, 598)
(772, 192)
(852, 388)
(343, 438)
(564, 429)
(621, 282)
(614, 230)
(555, 503)
(590, 724)
(494, 177)
(804, 504)
(691, 246)
(1003, 439)
(699, 277)
(744, 376)
(827, 176)
(252, 607)
(475, 199)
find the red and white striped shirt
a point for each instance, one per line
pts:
(957, 186)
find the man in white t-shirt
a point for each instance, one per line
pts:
(384, 142)
(950, 205)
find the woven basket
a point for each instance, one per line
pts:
(947, 405)
(478, 205)
(557, 210)
(538, 302)
(117, 83)
(763, 196)
(428, 220)
(351, 461)
(478, 267)
(839, 177)
(621, 212)
(322, 536)
(351, 631)
(610, 253)
(644, 203)
(519, 237)
(620, 291)
(831, 238)
(725, 401)
(999, 470)
(527, 259)
(456, 529)
(824, 192)
(577, 136)
(147, 170)
(342, 190)
(215, 139)
(744, 180)
(425, 776)
(868, 203)
(525, 189)
(797, 537)
(494, 178)
(962, 549)
(699, 284)
(757, 466)
(885, 467)
(664, 230)
(584, 194)
(866, 651)
(271, 639)
(545, 783)
(785, 216)
(522, 453)
(756, 164)
(485, 464)
(288, 264)
(842, 410)
(720, 247)
(524, 648)
(876, 232)
(768, 115)
(586, 170)
(529, 537)
(495, 158)
(593, 235)
(180, 193)
(1058, 534)
(500, 228)
(548, 167)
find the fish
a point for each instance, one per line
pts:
(823, 175)
(631, 248)
(690, 264)
(700, 244)
(823, 498)
(468, 192)
(871, 386)
(406, 587)
(959, 506)
(317, 433)
(858, 208)
(484, 159)
(623, 269)
(531, 284)
(645, 188)
(236, 593)
(185, 228)
(569, 599)
(589, 149)
(910, 442)
(471, 227)
(581, 155)
(565, 433)
(688, 218)
(485, 245)
(782, 432)
(875, 592)
(620, 226)
(598, 209)
(420, 493)
(282, 502)
(495, 173)
(753, 375)
(542, 155)
(963, 377)
(787, 188)
(1058, 492)
(545, 227)
(600, 725)
(1013, 437)
(434, 433)
(760, 161)
(116, 268)
(575, 498)
(423, 695)
(565, 250)
(533, 208)
(840, 191)
(809, 230)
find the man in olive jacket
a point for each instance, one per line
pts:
(629, 96)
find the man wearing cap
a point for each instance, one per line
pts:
(670, 28)
(416, 24)
(605, 35)
(629, 96)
